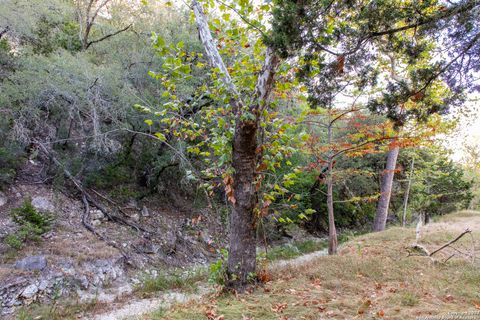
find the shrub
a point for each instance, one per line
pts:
(33, 224)
(10, 160)
(217, 271)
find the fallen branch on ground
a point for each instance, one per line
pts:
(419, 250)
(90, 199)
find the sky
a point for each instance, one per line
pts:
(467, 131)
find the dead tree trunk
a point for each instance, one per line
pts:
(386, 190)
(241, 264)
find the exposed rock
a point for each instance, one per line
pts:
(96, 214)
(42, 203)
(96, 223)
(133, 204)
(44, 284)
(4, 199)
(145, 212)
(30, 291)
(32, 263)
(135, 217)
(84, 283)
(170, 244)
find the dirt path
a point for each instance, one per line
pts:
(137, 308)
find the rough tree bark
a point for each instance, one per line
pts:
(386, 190)
(241, 264)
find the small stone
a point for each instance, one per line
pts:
(132, 203)
(32, 263)
(4, 199)
(42, 203)
(29, 292)
(96, 214)
(84, 282)
(145, 212)
(135, 217)
(96, 223)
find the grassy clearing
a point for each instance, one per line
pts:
(371, 278)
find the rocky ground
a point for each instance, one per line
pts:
(70, 260)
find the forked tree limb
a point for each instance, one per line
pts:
(108, 36)
(422, 251)
(451, 242)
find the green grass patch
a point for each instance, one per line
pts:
(177, 279)
(67, 310)
(294, 249)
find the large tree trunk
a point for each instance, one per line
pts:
(241, 264)
(386, 190)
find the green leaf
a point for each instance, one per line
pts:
(160, 136)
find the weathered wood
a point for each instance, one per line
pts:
(451, 242)
(419, 250)
(80, 187)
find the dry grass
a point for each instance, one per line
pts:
(371, 278)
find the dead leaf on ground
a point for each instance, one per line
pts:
(279, 307)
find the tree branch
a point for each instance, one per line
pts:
(108, 36)
(451, 242)
(7, 28)
(209, 44)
